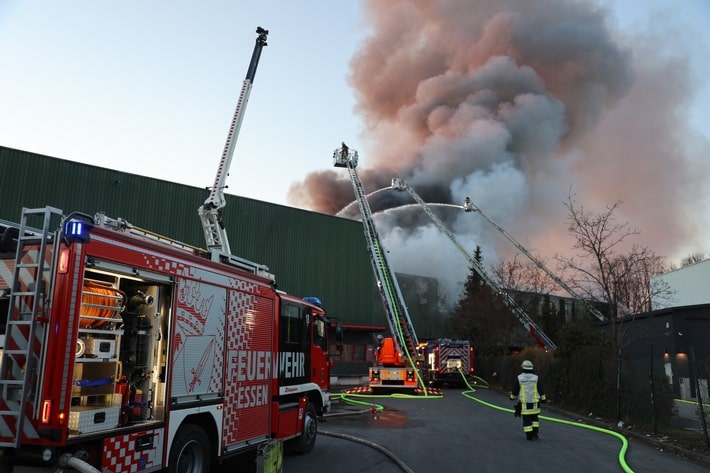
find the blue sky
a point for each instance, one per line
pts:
(150, 87)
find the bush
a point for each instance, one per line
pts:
(584, 381)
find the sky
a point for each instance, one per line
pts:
(150, 88)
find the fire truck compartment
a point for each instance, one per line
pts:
(87, 419)
(120, 356)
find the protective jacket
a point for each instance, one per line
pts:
(528, 390)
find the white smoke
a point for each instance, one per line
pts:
(514, 103)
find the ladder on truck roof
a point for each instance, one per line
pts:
(398, 319)
(540, 337)
(211, 211)
(121, 225)
(23, 356)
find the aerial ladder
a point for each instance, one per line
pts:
(392, 372)
(469, 206)
(211, 211)
(537, 333)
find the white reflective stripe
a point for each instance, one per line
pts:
(529, 393)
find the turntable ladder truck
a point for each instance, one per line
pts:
(469, 206)
(211, 211)
(537, 333)
(396, 357)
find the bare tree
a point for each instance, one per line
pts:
(613, 270)
(531, 287)
(610, 268)
(692, 258)
(523, 276)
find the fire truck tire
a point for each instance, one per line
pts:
(190, 452)
(307, 440)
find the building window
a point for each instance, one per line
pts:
(352, 353)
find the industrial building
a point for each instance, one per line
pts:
(311, 254)
(688, 284)
(679, 328)
(314, 254)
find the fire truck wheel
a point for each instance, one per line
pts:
(307, 440)
(190, 452)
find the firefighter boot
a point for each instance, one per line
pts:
(530, 435)
(535, 433)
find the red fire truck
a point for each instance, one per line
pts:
(445, 360)
(127, 351)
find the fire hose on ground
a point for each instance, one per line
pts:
(70, 461)
(624, 441)
(403, 466)
(376, 408)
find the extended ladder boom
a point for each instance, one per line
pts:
(395, 308)
(211, 211)
(469, 206)
(520, 314)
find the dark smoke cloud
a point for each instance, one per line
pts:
(514, 103)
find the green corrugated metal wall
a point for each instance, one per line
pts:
(310, 253)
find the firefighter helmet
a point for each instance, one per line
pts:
(527, 365)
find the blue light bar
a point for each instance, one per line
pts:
(74, 229)
(77, 227)
(313, 300)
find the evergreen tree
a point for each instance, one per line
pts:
(480, 315)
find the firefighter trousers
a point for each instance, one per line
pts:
(531, 425)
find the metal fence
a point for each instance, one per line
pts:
(660, 394)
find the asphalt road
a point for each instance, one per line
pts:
(457, 434)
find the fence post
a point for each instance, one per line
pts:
(618, 385)
(696, 382)
(653, 396)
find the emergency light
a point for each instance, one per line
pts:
(314, 301)
(77, 227)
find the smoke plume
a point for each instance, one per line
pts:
(514, 103)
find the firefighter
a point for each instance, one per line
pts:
(380, 342)
(528, 391)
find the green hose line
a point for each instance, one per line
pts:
(694, 403)
(399, 333)
(624, 441)
(484, 383)
(346, 398)
(415, 396)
